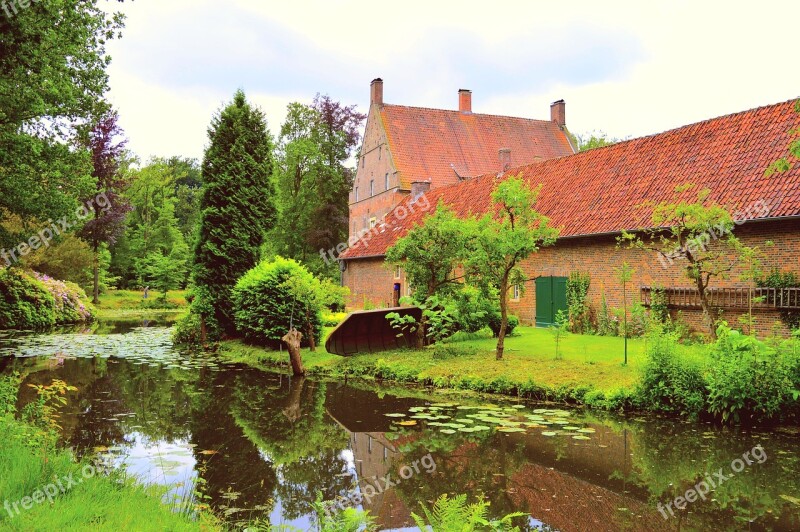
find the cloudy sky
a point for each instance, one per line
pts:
(626, 68)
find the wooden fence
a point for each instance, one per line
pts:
(727, 298)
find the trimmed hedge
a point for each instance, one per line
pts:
(264, 306)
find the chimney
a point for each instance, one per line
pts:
(376, 91)
(465, 100)
(558, 113)
(419, 188)
(505, 158)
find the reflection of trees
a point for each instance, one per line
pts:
(672, 457)
(227, 460)
(291, 427)
(481, 464)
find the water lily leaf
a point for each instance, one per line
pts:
(510, 429)
(408, 423)
(581, 437)
(447, 431)
(587, 431)
(549, 433)
(395, 414)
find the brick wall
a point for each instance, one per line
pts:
(599, 256)
(373, 165)
(369, 280)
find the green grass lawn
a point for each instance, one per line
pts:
(586, 363)
(133, 300)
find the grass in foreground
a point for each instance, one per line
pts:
(87, 502)
(588, 366)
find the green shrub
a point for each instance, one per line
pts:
(606, 324)
(471, 309)
(749, 380)
(577, 294)
(71, 303)
(264, 305)
(670, 382)
(25, 303)
(332, 319)
(187, 331)
(29, 300)
(449, 350)
(494, 324)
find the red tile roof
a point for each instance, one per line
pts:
(602, 190)
(441, 145)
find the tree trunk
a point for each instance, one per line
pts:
(312, 346)
(293, 409)
(292, 340)
(96, 267)
(707, 319)
(501, 337)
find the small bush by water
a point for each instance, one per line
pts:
(264, 305)
(744, 379)
(29, 300)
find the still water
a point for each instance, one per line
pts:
(266, 445)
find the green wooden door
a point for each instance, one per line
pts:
(551, 296)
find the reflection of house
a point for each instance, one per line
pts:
(406, 149)
(592, 196)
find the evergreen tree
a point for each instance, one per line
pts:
(236, 208)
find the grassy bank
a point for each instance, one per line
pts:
(46, 488)
(134, 300)
(588, 370)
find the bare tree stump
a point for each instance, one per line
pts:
(292, 340)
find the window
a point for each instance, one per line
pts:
(356, 193)
(386, 181)
(372, 222)
(371, 187)
(398, 271)
(516, 292)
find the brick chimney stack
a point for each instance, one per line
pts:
(419, 188)
(376, 92)
(505, 158)
(558, 113)
(465, 100)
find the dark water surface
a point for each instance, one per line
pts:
(265, 445)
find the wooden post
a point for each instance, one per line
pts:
(292, 340)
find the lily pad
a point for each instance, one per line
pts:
(510, 429)
(549, 433)
(395, 414)
(581, 437)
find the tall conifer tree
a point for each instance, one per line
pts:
(236, 208)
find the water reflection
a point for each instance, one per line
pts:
(266, 445)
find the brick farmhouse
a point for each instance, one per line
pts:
(594, 195)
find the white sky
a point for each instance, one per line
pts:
(626, 68)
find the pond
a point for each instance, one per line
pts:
(266, 445)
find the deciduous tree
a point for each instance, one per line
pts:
(502, 239)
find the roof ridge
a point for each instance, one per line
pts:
(625, 142)
(456, 111)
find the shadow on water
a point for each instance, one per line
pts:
(266, 445)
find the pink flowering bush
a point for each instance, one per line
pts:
(72, 305)
(30, 300)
